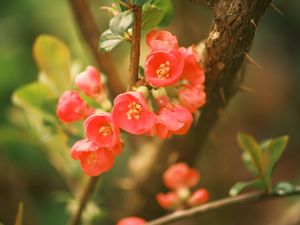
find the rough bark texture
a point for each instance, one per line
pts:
(230, 39)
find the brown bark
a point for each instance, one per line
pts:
(229, 40)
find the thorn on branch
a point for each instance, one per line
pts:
(253, 62)
(246, 89)
(253, 23)
(276, 9)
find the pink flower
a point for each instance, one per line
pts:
(161, 40)
(94, 160)
(199, 196)
(100, 129)
(131, 221)
(131, 113)
(89, 82)
(192, 97)
(71, 107)
(192, 70)
(163, 68)
(168, 201)
(180, 176)
(171, 119)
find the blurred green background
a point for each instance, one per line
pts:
(273, 109)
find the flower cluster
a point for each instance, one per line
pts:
(102, 143)
(172, 76)
(180, 178)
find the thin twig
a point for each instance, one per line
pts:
(91, 35)
(225, 202)
(135, 47)
(88, 190)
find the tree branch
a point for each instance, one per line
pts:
(229, 40)
(218, 204)
(91, 35)
(135, 46)
(88, 190)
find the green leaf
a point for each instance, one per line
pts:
(120, 23)
(140, 2)
(151, 16)
(53, 58)
(36, 98)
(272, 150)
(19, 217)
(283, 188)
(167, 7)
(249, 145)
(240, 186)
(109, 40)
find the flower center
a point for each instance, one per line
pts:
(105, 130)
(134, 111)
(92, 158)
(163, 71)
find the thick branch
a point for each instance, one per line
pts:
(218, 204)
(135, 46)
(229, 40)
(91, 35)
(84, 198)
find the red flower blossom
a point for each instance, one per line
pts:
(131, 221)
(192, 71)
(71, 107)
(94, 160)
(163, 68)
(192, 97)
(131, 113)
(199, 196)
(89, 82)
(100, 129)
(179, 176)
(161, 40)
(171, 119)
(168, 201)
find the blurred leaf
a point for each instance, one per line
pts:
(36, 98)
(151, 16)
(120, 23)
(19, 217)
(248, 144)
(140, 2)
(53, 58)
(109, 40)
(272, 150)
(167, 7)
(240, 186)
(247, 159)
(283, 188)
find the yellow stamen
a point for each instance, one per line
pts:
(105, 130)
(163, 71)
(134, 111)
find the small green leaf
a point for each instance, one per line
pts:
(283, 188)
(151, 16)
(140, 2)
(240, 186)
(120, 23)
(248, 144)
(167, 7)
(53, 58)
(19, 217)
(272, 150)
(36, 98)
(109, 40)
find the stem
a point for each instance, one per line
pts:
(88, 190)
(91, 35)
(222, 203)
(135, 46)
